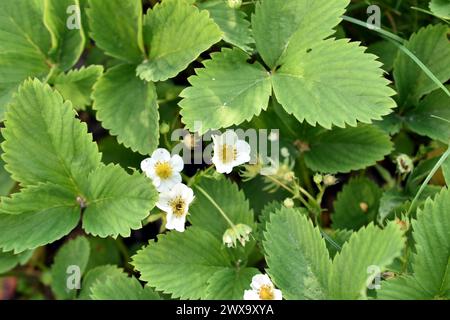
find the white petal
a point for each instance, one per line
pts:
(165, 185)
(147, 164)
(169, 221)
(161, 155)
(156, 181)
(229, 137)
(177, 163)
(163, 202)
(277, 294)
(260, 280)
(176, 223)
(251, 295)
(175, 179)
(243, 153)
(223, 168)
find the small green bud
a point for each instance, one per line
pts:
(164, 128)
(318, 178)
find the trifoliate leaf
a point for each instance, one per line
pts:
(76, 85)
(67, 41)
(98, 274)
(116, 27)
(43, 213)
(343, 150)
(44, 142)
(370, 246)
(227, 91)
(441, 8)
(430, 45)
(73, 254)
(431, 117)
(117, 202)
(182, 263)
(176, 33)
(227, 196)
(8, 260)
(232, 22)
(128, 107)
(24, 43)
(333, 82)
(431, 232)
(121, 287)
(281, 27)
(296, 254)
(357, 204)
(230, 284)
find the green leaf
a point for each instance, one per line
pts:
(430, 45)
(386, 51)
(24, 43)
(282, 27)
(176, 34)
(296, 254)
(446, 171)
(76, 85)
(121, 287)
(433, 246)
(336, 83)
(230, 284)
(67, 44)
(181, 264)
(117, 202)
(116, 27)
(440, 8)
(98, 274)
(8, 260)
(52, 152)
(6, 183)
(227, 91)
(431, 117)
(225, 194)
(357, 204)
(336, 240)
(43, 213)
(264, 217)
(76, 253)
(401, 288)
(343, 150)
(128, 107)
(232, 22)
(370, 246)
(103, 252)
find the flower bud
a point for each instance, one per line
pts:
(164, 128)
(404, 163)
(318, 178)
(240, 233)
(288, 203)
(329, 180)
(235, 4)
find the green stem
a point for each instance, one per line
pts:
(281, 184)
(214, 203)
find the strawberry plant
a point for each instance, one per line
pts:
(224, 149)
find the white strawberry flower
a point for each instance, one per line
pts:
(229, 151)
(262, 289)
(176, 204)
(163, 169)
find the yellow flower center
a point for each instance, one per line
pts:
(163, 170)
(266, 292)
(178, 206)
(227, 153)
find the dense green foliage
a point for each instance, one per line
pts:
(357, 207)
